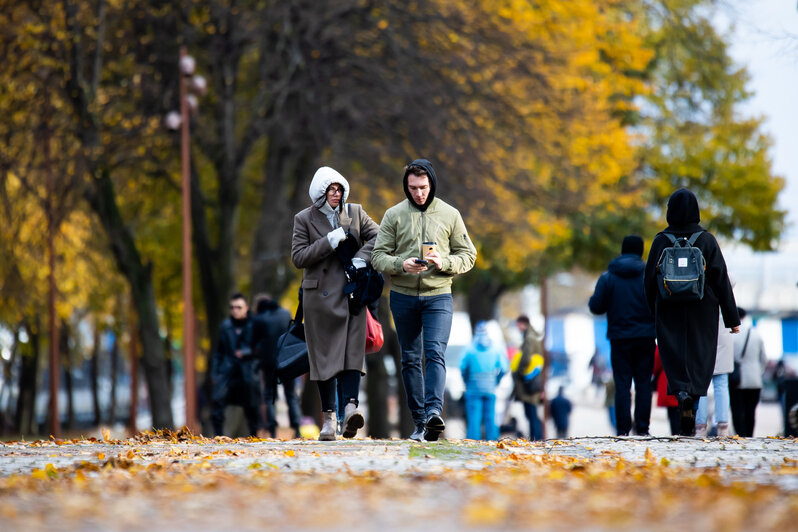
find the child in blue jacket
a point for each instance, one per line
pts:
(483, 366)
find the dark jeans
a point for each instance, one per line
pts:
(632, 359)
(235, 381)
(675, 420)
(291, 399)
(535, 426)
(423, 324)
(743, 407)
(339, 390)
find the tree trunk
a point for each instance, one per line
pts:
(482, 298)
(288, 170)
(102, 199)
(66, 363)
(377, 396)
(95, 377)
(28, 376)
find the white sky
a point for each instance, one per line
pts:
(765, 39)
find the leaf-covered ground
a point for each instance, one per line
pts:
(175, 481)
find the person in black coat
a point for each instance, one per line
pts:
(687, 331)
(560, 408)
(621, 294)
(234, 376)
(270, 321)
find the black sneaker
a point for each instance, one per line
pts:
(434, 427)
(418, 434)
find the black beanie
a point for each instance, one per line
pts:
(632, 244)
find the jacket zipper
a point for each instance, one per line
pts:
(421, 248)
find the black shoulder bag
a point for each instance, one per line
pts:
(292, 349)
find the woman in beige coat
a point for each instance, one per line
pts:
(336, 339)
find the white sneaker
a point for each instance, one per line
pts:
(328, 428)
(353, 420)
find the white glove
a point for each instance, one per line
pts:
(357, 262)
(336, 237)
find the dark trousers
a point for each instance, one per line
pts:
(423, 325)
(743, 409)
(675, 420)
(270, 397)
(339, 390)
(235, 381)
(535, 426)
(632, 360)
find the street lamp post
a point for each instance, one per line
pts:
(188, 103)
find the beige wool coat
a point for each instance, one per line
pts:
(336, 340)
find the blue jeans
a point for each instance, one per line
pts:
(720, 383)
(481, 410)
(423, 324)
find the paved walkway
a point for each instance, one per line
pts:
(177, 483)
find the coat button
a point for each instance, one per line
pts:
(324, 270)
(325, 293)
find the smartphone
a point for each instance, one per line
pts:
(421, 261)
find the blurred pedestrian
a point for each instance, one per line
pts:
(527, 370)
(422, 244)
(609, 400)
(235, 377)
(687, 332)
(336, 338)
(270, 321)
(724, 364)
(621, 294)
(482, 366)
(665, 400)
(749, 353)
(560, 408)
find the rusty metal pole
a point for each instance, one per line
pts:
(188, 306)
(134, 369)
(55, 367)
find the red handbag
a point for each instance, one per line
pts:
(374, 336)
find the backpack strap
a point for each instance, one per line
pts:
(669, 237)
(694, 237)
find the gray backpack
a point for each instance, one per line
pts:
(680, 270)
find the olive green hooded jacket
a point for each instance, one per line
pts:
(402, 230)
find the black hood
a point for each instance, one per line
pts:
(627, 265)
(682, 209)
(433, 183)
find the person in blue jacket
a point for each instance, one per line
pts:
(483, 366)
(621, 294)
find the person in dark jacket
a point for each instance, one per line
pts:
(270, 321)
(234, 378)
(687, 331)
(620, 293)
(560, 408)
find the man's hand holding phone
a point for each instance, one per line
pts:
(414, 265)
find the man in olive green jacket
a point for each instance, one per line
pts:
(422, 244)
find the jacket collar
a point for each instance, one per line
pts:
(320, 221)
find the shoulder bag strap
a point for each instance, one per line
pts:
(299, 316)
(745, 345)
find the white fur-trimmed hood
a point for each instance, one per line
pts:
(323, 178)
